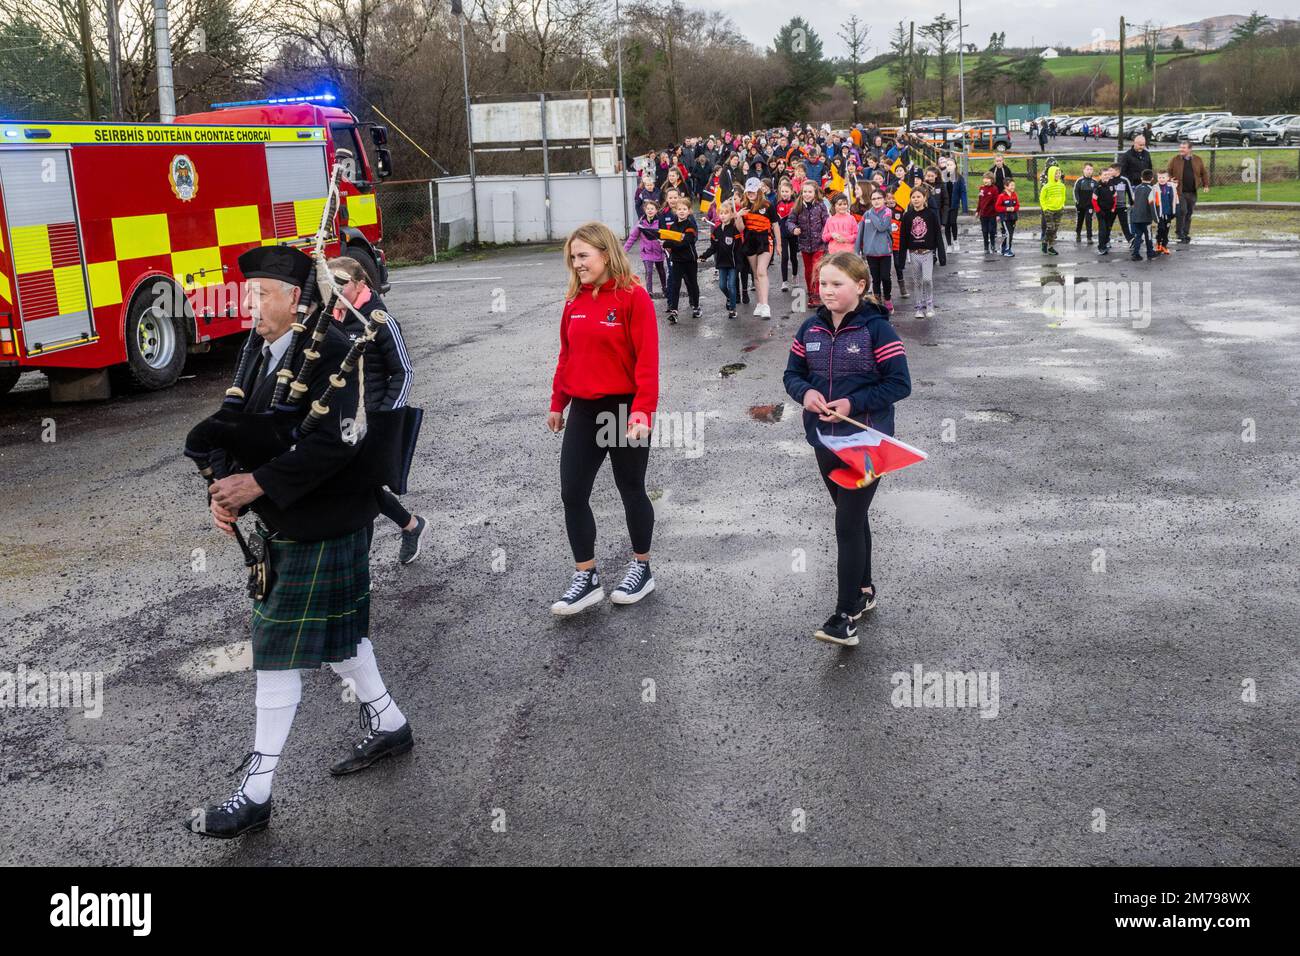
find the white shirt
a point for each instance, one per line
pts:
(278, 348)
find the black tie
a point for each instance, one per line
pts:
(267, 365)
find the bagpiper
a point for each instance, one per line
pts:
(312, 539)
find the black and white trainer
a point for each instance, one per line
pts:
(636, 584)
(584, 591)
(866, 602)
(840, 628)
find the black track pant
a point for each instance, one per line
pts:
(679, 272)
(852, 532)
(789, 259)
(1081, 218)
(881, 285)
(391, 508)
(594, 428)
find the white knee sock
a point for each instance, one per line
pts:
(278, 694)
(363, 672)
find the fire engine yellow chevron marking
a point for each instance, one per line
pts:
(361, 211)
(238, 224)
(31, 249)
(105, 283)
(70, 288)
(306, 215)
(191, 261)
(135, 237)
(6, 293)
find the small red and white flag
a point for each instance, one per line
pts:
(867, 455)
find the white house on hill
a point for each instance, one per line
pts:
(1049, 54)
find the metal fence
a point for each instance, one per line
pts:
(409, 210)
(1236, 175)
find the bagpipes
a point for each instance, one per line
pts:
(236, 439)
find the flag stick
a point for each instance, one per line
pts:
(845, 418)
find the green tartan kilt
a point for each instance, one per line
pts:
(319, 606)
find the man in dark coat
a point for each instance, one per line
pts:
(314, 517)
(1135, 160)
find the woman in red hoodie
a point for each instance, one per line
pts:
(608, 377)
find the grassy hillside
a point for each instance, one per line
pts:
(876, 82)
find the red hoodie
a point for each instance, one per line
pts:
(609, 345)
(987, 204)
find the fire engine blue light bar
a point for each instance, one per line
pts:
(279, 101)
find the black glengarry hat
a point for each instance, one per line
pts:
(276, 262)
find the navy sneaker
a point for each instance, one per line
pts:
(584, 591)
(637, 583)
(866, 602)
(840, 628)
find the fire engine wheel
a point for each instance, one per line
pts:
(155, 344)
(9, 378)
(367, 262)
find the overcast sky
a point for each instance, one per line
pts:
(1026, 22)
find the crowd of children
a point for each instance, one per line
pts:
(796, 194)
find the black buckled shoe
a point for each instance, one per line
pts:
(239, 814)
(376, 745)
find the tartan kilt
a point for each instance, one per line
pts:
(318, 609)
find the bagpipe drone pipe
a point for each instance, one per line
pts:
(236, 439)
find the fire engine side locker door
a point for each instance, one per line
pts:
(45, 245)
(299, 182)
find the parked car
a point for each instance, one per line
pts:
(1197, 132)
(1242, 132)
(1279, 120)
(1171, 132)
(1291, 133)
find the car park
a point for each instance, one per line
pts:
(1291, 133)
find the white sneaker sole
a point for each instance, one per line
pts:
(564, 610)
(622, 597)
(842, 642)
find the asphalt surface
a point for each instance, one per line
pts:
(1120, 692)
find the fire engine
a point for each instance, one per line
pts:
(117, 241)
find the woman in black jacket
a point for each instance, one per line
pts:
(387, 380)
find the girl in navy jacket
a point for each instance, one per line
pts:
(849, 359)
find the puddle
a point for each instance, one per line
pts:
(215, 661)
(732, 369)
(767, 413)
(750, 346)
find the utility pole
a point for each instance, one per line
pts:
(961, 73)
(87, 60)
(911, 72)
(459, 14)
(1119, 142)
(622, 125)
(163, 50)
(114, 62)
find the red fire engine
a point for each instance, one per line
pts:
(118, 242)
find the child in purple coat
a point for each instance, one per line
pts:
(646, 232)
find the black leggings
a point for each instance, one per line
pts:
(852, 532)
(1081, 217)
(900, 262)
(596, 427)
(790, 258)
(880, 279)
(391, 508)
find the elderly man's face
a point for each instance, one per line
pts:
(1184, 148)
(1139, 142)
(271, 303)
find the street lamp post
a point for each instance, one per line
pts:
(961, 72)
(621, 164)
(469, 127)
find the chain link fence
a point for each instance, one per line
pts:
(1236, 174)
(409, 211)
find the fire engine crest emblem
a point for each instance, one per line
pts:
(183, 177)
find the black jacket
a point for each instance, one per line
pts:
(308, 495)
(728, 244)
(387, 365)
(1132, 163)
